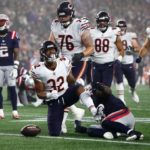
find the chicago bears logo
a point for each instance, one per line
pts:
(70, 6)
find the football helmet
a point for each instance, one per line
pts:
(49, 45)
(4, 23)
(122, 25)
(65, 9)
(102, 20)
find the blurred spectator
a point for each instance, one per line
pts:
(32, 20)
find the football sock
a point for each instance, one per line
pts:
(1, 98)
(13, 97)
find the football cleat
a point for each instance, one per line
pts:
(135, 97)
(15, 114)
(135, 135)
(2, 116)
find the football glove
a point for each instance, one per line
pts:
(77, 57)
(138, 59)
(129, 50)
(99, 116)
(51, 96)
(148, 32)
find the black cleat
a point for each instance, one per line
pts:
(135, 135)
(80, 129)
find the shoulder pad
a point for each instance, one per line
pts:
(116, 30)
(13, 34)
(62, 58)
(56, 20)
(84, 25)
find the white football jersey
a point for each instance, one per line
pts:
(104, 44)
(69, 39)
(53, 79)
(127, 41)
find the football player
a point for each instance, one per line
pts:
(146, 47)
(9, 48)
(25, 89)
(55, 84)
(115, 116)
(105, 40)
(130, 45)
(73, 38)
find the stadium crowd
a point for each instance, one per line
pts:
(32, 19)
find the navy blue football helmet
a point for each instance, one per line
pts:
(102, 20)
(48, 45)
(122, 25)
(63, 10)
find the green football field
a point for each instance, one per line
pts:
(11, 139)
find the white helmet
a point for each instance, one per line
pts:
(29, 82)
(4, 22)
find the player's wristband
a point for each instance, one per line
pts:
(148, 32)
(119, 58)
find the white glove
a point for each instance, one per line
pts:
(100, 113)
(80, 81)
(119, 58)
(148, 32)
(51, 95)
(88, 89)
(14, 73)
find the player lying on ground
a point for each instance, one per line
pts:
(115, 116)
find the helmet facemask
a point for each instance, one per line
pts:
(122, 25)
(65, 13)
(102, 25)
(102, 21)
(65, 23)
(49, 52)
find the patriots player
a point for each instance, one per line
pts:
(9, 48)
(130, 45)
(105, 41)
(116, 117)
(146, 46)
(55, 83)
(73, 38)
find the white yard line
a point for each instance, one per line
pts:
(85, 119)
(82, 139)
